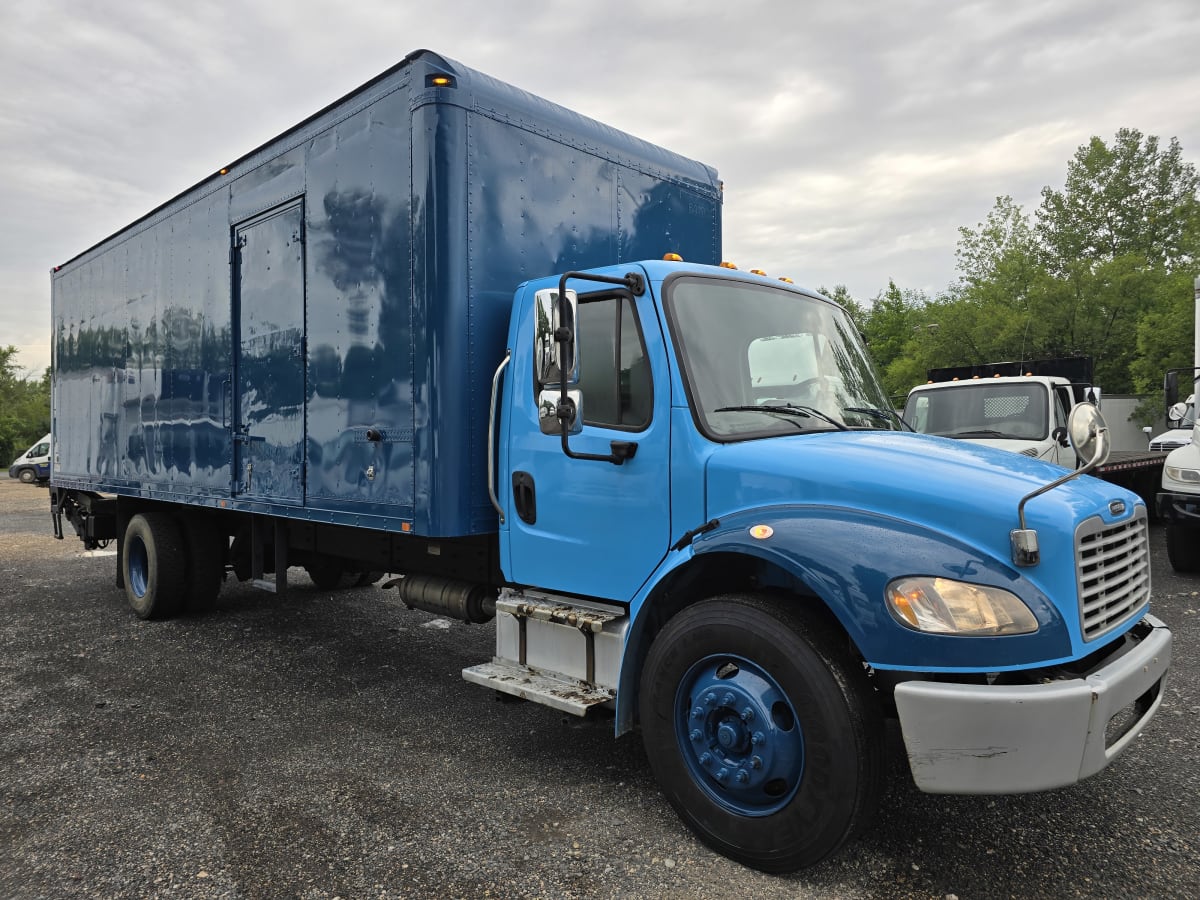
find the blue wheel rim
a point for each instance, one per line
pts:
(139, 565)
(739, 735)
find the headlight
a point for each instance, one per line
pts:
(945, 606)
(1189, 475)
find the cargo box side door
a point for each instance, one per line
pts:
(269, 359)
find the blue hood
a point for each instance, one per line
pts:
(948, 486)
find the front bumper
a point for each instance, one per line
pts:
(1013, 739)
(1183, 509)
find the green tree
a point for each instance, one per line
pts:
(24, 406)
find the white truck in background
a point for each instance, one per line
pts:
(1179, 501)
(1022, 407)
(1017, 406)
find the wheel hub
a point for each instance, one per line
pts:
(740, 735)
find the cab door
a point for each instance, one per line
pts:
(587, 526)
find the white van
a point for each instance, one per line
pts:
(34, 464)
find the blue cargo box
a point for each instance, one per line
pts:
(312, 331)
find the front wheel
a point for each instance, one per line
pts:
(1183, 547)
(762, 731)
(27, 476)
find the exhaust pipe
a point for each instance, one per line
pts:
(463, 600)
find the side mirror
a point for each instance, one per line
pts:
(1060, 434)
(1171, 388)
(1089, 435)
(1177, 412)
(547, 348)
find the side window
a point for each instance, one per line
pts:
(614, 373)
(40, 450)
(1061, 406)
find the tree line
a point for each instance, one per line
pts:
(1104, 267)
(24, 407)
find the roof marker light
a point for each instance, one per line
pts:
(757, 272)
(728, 265)
(672, 257)
(784, 278)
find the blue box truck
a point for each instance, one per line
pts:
(448, 330)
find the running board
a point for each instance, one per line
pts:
(566, 695)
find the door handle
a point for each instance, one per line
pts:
(525, 497)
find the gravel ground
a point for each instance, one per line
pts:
(327, 746)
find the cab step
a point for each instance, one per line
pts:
(565, 695)
(557, 651)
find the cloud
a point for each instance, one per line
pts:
(854, 139)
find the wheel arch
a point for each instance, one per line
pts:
(696, 576)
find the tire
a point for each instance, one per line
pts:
(1183, 547)
(27, 476)
(762, 731)
(206, 548)
(154, 565)
(325, 571)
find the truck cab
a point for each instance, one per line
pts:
(712, 521)
(1024, 414)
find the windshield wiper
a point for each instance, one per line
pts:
(884, 415)
(790, 409)
(979, 432)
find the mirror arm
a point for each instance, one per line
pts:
(1082, 470)
(621, 450)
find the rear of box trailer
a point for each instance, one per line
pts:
(311, 332)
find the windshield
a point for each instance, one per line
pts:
(983, 410)
(761, 361)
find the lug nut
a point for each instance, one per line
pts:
(757, 739)
(723, 775)
(727, 700)
(756, 762)
(696, 734)
(710, 698)
(743, 776)
(705, 759)
(747, 714)
(698, 712)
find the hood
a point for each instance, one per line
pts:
(1040, 449)
(949, 486)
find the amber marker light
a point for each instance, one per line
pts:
(757, 272)
(761, 532)
(672, 257)
(786, 280)
(728, 265)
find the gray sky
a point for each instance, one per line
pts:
(854, 138)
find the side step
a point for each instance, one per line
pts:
(558, 651)
(566, 695)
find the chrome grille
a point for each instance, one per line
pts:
(1172, 444)
(1112, 567)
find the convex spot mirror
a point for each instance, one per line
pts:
(1089, 434)
(1177, 412)
(552, 359)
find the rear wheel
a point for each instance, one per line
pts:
(325, 571)
(1183, 547)
(154, 565)
(762, 731)
(206, 549)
